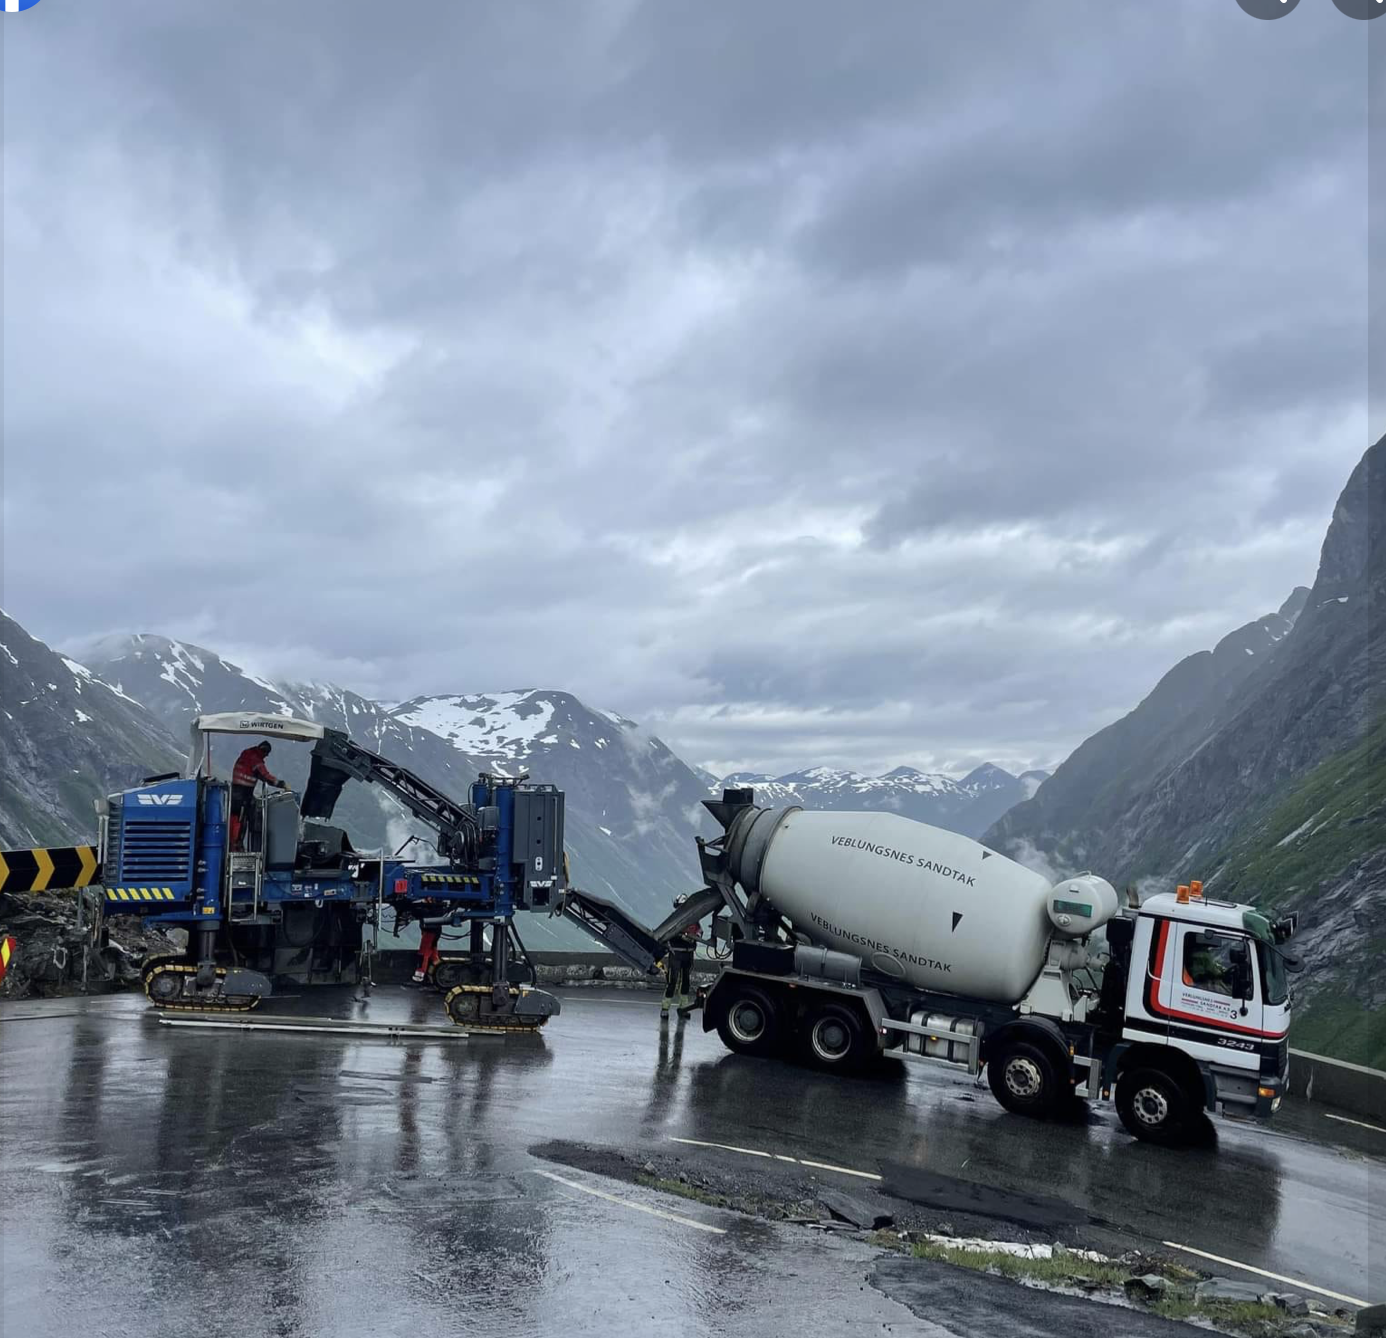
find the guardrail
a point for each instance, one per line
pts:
(1335, 1082)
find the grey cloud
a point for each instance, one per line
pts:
(811, 389)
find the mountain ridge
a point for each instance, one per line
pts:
(968, 805)
(1202, 778)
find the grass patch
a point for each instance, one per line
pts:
(684, 1190)
(1328, 818)
(1337, 1024)
(889, 1240)
(1228, 1314)
(1060, 1269)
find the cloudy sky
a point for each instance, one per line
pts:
(902, 383)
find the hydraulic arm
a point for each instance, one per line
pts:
(337, 758)
(502, 852)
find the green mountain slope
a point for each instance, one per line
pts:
(1321, 850)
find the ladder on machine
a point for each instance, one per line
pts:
(243, 863)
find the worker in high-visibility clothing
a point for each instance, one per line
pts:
(678, 971)
(250, 767)
(429, 956)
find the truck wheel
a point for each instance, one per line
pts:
(832, 1037)
(750, 1024)
(1024, 1080)
(1153, 1107)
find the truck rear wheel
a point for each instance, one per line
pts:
(1153, 1107)
(750, 1024)
(1024, 1080)
(832, 1037)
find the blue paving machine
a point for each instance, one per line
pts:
(296, 901)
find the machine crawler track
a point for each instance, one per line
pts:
(167, 972)
(470, 1006)
(447, 973)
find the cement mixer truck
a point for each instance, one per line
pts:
(853, 934)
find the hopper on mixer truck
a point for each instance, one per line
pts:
(851, 935)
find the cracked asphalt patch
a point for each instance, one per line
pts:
(936, 1292)
(949, 1194)
(951, 1297)
(918, 1203)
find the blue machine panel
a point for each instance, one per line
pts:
(151, 844)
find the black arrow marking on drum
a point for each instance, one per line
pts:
(987, 854)
(957, 915)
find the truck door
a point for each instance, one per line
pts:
(1205, 981)
(1143, 981)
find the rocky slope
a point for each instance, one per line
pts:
(1202, 777)
(66, 740)
(968, 806)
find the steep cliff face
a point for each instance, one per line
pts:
(1321, 850)
(1213, 774)
(1089, 813)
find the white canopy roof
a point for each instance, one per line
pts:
(257, 722)
(247, 722)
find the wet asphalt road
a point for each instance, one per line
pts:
(159, 1181)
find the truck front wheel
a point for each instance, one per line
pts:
(1153, 1107)
(750, 1023)
(832, 1037)
(1024, 1080)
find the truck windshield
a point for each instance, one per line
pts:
(1274, 977)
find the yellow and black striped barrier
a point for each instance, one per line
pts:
(39, 870)
(140, 894)
(452, 879)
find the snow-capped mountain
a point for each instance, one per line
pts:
(633, 807)
(512, 726)
(66, 740)
(968, 806)
(177, 680)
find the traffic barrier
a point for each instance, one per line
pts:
(1335, 1082)
(48, 869)
(7, 946)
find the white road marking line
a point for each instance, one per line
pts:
(778, 1156)
(841, 1170)
(726, 1147)
(639, 1207)
(1265, 1273)
(1343, 1119)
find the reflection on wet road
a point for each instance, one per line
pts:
(156, 1179)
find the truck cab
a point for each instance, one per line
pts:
(1207, 1011)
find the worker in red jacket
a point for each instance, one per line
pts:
(429, 956)
(250, 767)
